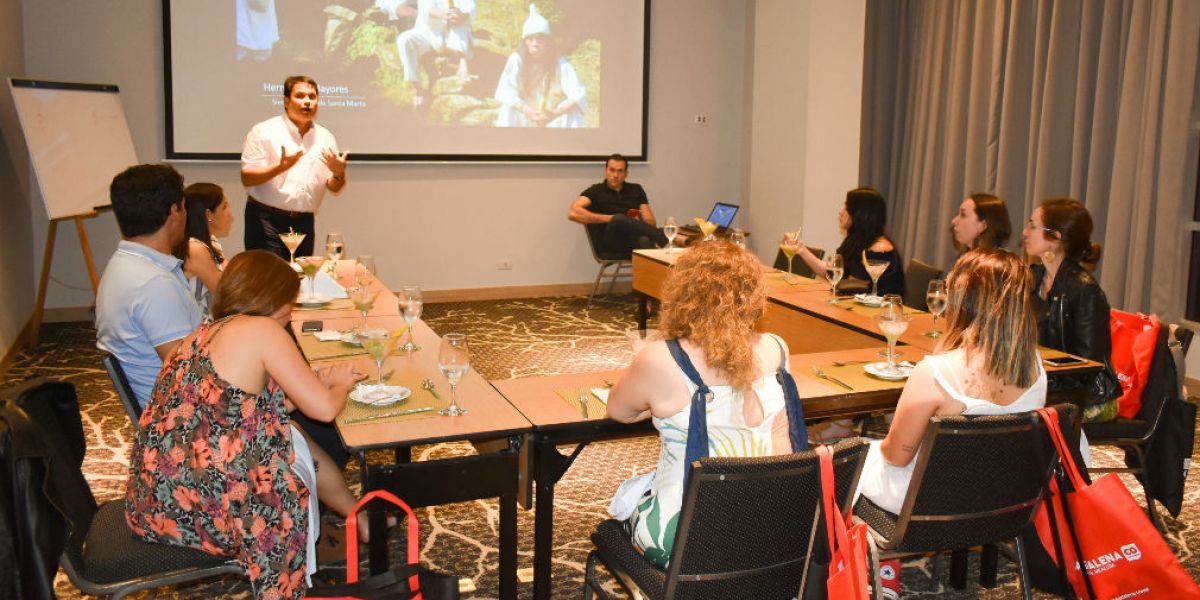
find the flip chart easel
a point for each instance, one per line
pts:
(78, 140)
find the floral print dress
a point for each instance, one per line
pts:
(211, 470)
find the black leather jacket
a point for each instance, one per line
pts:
(1074, 318)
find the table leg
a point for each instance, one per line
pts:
(643, 313)
(988, 559)
(508, 546)
(549, 467)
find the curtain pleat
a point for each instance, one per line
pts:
(1033, 99)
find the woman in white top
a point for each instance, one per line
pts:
(986, 364)
(539, 88)
(711, 301)
(208, 218)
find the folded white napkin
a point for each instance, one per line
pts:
(329, 335)
(327, 287)
(601, 393)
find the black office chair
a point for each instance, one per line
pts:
(621, 265)
(1135, 435)
(124, 390)
(977, 481)
(916, 282)
(799, 267)
(745, 529)
(100, 554)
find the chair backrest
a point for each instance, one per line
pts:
(124, 390)
(916, 281)
(799, 267)
(1161, 384)
(977, 480)
(746, 524)
(595, 235)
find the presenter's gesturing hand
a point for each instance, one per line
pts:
(286, 161)
(337, 168)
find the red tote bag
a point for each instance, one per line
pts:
(1124, 555)
(847, 545)
(1133, 339)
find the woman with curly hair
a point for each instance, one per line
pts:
(711, 302)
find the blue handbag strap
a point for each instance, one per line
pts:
(697, 439)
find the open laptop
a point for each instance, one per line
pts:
(722, 215)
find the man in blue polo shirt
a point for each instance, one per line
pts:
(144, 306)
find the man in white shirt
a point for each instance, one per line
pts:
(144, 305)
(443, 27)
(288, 162)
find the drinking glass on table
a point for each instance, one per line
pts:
(738, 237)
(363, 298)
(789, 246)
(378, 344)
(454, 358)
(833, 272)
(364, 271)
(670, 230)
(875, 268)
(892, 322)
(935, 299)
(891, 303)
(410, 309)
(292, 240)
(334, 245)
(309, 265)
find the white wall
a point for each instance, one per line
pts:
(16, 270)
(441, 226)
(807, 100)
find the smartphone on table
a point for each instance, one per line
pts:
(312, 326)
(1063, 361)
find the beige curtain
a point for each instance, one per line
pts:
(1094, 99)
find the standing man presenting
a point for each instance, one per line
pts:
(288, 162)
(620, 208)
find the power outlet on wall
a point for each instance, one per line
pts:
(504, 264)
(701, 119)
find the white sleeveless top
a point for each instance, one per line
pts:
(886, 484)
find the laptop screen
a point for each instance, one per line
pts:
(722, 214)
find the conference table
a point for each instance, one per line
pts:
(525, 420)
(491, 423)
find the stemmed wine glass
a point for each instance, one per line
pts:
(292, 240)
(875, 268)
(889, 304)
(454, 358)
(670, 230)
(363, 298)
(364, 271)
(893, 322)
(310, 265)
(410, 308)
(935, 299)
(378, 343)
(833, 272)
(789, 246)
(334, 245)
(738, 237)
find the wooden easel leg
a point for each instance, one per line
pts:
(47, 257)
(87, 254)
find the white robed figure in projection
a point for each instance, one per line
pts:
(442, 26)
(539, 88)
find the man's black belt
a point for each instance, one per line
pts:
(293, 214)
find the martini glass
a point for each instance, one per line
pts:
(875, 269)
(292, 240)
(310, 265)
(789, 246)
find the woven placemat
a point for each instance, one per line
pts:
(595, 408)
(779, 278)
(854, 376)
(419, 398)
(850, 304)
(315, 349)
(336, 304)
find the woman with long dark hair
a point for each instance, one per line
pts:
(538, 87)
(982, 222)
(863, 221)
(208, 218)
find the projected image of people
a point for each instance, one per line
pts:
(442, 27)
(538, 87)
(257, 29)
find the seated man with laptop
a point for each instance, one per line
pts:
(617, 212)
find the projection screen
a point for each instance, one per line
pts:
(421, 80)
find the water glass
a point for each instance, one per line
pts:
(935, 299)
(411, 305)
(454, 358)
(670, 230)
(834, 270)
(738, 237)
(364, 271)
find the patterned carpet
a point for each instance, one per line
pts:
(512, 338)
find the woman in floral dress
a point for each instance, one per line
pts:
(217, 465)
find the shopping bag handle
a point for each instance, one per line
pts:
(352, 537)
